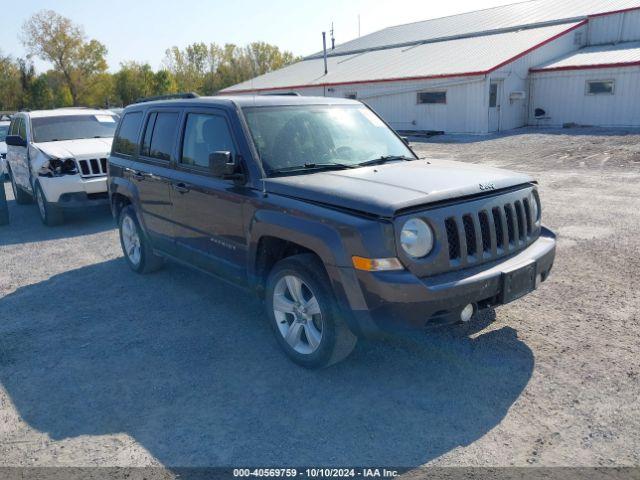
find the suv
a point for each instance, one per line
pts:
(324, 211)
(60, 158)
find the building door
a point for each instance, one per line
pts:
(495, 94)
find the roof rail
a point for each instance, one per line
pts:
(173, 96)
(283, 94)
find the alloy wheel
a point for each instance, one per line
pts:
(298, 314)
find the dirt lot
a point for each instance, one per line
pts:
(102, 367)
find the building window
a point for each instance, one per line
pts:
(600, 87)
(493, 95)
(432, 97)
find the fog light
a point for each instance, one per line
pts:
(467, 313)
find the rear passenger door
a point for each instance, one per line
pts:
(153, 173)
(208, 216)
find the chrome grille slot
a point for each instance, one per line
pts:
(499, 227)
(511, 225)
(93, 167)
(486, 231)
(521, 221)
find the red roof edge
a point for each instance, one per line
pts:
(408, 79)
(586, 67)
(614, 12)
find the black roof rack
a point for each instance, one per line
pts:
(173, 96)
(283, 94)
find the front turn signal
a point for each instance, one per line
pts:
(377, 264)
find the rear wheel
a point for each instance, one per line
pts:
(22, 197)
(50, 214)
(304, 314)
(137, 249)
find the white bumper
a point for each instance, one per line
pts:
(54, 187)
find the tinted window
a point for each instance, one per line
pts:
(163, 135)
(205, 134)
(73, 127)
(22, 129)
(126, 142)
(148, 130)
(4, 131)
(432, 97)
(13, 128)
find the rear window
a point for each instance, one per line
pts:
(126, 142)
(73, 127)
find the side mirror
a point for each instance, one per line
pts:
(15, 141)
(224, 165)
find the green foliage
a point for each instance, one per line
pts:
(79, 75)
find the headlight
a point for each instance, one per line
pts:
(535, 209)
(55, 167)
(416, 238)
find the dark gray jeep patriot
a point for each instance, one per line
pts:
(324, 211)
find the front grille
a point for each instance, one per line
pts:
(93, 167)
(500, 229)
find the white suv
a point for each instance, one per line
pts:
(59, 157)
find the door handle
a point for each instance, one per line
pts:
(181, 188)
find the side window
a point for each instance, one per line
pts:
(13, 128)
(203, 135)
(126, 141)
(22, 129)
(148, 130)
(163, 135)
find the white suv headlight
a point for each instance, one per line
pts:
(416, 238)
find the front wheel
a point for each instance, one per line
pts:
(135, 246)
(50, 214)
(304, 314)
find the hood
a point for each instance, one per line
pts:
(384, 189)
(84, 148)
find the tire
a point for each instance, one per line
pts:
(136, 248)
(50, 214)
(21, 197)
(295, 318)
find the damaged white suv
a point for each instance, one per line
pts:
(59, 158)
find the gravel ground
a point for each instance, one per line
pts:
(100, 367)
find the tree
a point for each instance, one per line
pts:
(10, 87)
(58, 40)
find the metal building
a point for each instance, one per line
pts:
(541, 62)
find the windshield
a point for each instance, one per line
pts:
(289, 137)
(4, 130)
(73, 127)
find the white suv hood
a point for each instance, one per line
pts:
(84, 148)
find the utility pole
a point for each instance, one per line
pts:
(324, 47)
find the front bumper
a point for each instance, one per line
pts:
(73, 191)
(396, 301)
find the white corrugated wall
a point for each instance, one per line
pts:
(397, 103)
(563, 95)
(621, 27)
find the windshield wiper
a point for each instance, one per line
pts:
(312, 166)
(385, 159)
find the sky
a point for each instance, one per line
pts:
(142, 30)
